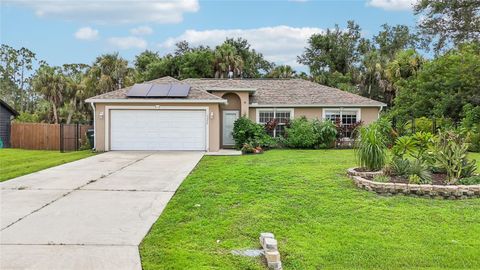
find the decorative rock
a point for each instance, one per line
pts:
(272, 255)
(275, 265)
(270, 244)
(270, 248)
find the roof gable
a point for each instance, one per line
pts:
(8, 108)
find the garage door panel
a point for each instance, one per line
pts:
(158, 130)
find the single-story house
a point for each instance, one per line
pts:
(7, 113)
(198, 114)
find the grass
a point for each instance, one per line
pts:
(319, 218)
(18, 162)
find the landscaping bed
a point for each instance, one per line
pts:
(400, 185)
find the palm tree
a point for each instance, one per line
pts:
(109, 72)
(50, 83)
(75, 90)
(227, 59)
(283, 72)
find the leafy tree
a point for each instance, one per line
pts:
(15, 75)
(143, 60)
(254, 65)
(443, 86)
(197, 63)
(390, 40)
(333, 51)
(166, 66)
(445, 21)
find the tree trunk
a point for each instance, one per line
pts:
(55, 114)
(72, 110)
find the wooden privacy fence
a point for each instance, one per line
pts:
(39, 136)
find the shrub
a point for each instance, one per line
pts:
(398, 166)
(472, 180)
(301, 134)
(25, 117)
(420, 171)
(473, 138)
(381, 178)
(451, 156)
(422, 124)
(371, 149)
(416, 146)
(414, 179)
(326, 133)
(246, 131)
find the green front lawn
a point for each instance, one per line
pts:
(18, 162)
(319, 218)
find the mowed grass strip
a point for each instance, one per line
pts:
(319, 218)
(18, 162)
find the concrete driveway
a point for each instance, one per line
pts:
(88, 214)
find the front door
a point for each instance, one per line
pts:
(229, 118)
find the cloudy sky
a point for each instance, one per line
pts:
(74, 31)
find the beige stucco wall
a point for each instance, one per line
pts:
(244, 100)
(213, 124)
(368, 115)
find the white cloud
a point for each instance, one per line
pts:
(86, 33)
(392, 4)
(125, 43)
(112, 11)
(280, 44)
(141, 30)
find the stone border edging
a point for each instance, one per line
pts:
(430, 191)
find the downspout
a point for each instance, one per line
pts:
(381, 108)
(94, 127)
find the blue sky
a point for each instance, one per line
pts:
(72, 31)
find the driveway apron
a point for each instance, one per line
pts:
(88, 214)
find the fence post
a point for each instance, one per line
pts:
(61, 139)
(77, 132)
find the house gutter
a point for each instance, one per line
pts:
(94, 126)
(140, 100)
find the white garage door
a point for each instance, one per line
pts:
(157, 130)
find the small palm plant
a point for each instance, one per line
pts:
(371, 148)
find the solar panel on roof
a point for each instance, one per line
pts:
(149, 90)
(139, 90)
(159, 90)
(179, 90)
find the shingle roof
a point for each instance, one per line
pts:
(267, 92)
(287, 92)
(8, 108)
(194, 94)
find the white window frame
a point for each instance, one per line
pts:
(341, 110)
(274, 110)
